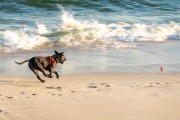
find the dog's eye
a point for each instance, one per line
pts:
(62, 58)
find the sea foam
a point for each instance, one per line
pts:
(23, 40)
(88, 34)
(92, 34)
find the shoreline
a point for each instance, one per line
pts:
(143, 59)
(91, 96)
(84, 75)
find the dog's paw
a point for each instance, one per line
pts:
(43, 81)
(57, 76)
(50, 76)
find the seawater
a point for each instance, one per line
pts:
(104, 35)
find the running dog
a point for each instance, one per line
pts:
(42, 64)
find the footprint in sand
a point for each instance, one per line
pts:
(103, 83)
(136, 86)
(100, 86)
(159, 84)
(108, 86)
(53, 94)
(93, 86)
(72, 91)
(1, 111)
(150, 86)
(9, 97)
(50, 87)
(22, 93)
(57, 88)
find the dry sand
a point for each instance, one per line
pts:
(92, 97)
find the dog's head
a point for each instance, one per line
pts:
(60, 58)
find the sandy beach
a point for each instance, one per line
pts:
(91, 97)
(123, 59)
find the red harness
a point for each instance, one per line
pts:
(52, 61)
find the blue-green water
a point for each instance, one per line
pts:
(144, 32)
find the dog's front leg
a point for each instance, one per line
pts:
(57, 75)
(46, 75)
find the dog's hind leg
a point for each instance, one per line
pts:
(35, 72)
(41, 68)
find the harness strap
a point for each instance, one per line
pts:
(52, 61)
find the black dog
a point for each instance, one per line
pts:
(39, 63)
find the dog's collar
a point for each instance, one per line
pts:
(51, 60)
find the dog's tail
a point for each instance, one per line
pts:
(19, 63)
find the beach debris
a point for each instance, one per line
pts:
(162, 69)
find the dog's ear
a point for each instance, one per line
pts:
(56, 52)
(62, 53)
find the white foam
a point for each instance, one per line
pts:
(116, 35)
(15, 40)
(89, 34)
(41, 29)
(26, 38)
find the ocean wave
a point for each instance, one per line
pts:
(114, 35)
(87, 34)
(103, 10)
(25, 39)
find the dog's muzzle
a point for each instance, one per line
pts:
(62, 60)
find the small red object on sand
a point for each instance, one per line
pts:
(162, 69)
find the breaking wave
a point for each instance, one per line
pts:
(92, 34)
(88, 34)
